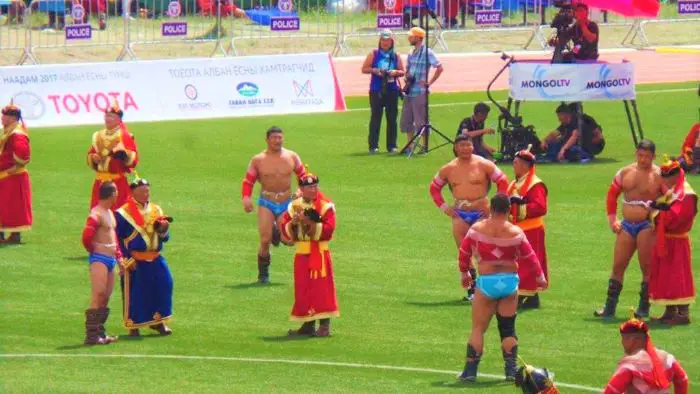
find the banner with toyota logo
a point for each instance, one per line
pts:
(76, 94)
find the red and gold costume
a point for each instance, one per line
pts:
(113, 165)
(689, 145)
(671, 275)
(314, 287)
(647, 371)
(529, 216)
(15, 189)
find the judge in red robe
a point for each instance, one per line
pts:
(645, 369)
(528, 198)
(671, 275)
(113, 155)
(15, 189)
(309, 223)
(690, 151)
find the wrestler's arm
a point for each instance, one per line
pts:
(620, 381)
(465, 258)
(92, 224)
(497, 176)
(614, 192)
(680, 379)
(439, 181)
(251, 176)
(299, 169)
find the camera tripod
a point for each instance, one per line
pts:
(427, 127)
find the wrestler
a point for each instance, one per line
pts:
(640, 184)
(100, 240)
(469, 177)
(645, 369)
(496, 245)
(273, 169)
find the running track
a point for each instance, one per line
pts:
(472, 72)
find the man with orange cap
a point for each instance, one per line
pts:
(690, 151)
(671, 273)
(310, 222)
(414, 113)
(15, 189)
(113, 155)
(528, 199)
(645, 369)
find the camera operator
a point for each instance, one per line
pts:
(583, 34)
(562, 144)
(385, 65)
(474, 127)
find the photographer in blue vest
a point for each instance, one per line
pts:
(385, 66)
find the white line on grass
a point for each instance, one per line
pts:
(643, 92)
(275, 361)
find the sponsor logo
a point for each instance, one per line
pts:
(547, 83)
(305, 94)
(191, 92)
(247, 89)
(91, 102)
(32, 106)
(609, 83)
(250, 92)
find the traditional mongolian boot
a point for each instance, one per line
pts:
(134, 332)
(162, 329)
(13, 239)
(471, 366)
(103, 314)
(682, 317)
(324, 329)
(643, 309)
(264, 269)
(529, 302)
(92, 328)
(510, 363)
(307, 329)
(614, 290)
(669, 313)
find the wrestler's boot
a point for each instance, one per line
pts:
(306, 329)
(529, 302)
(324, 328)
(102, 315)
(264, 269)
(510, 363)
(643, 309)
(682, 317)
(276, 238)
(471, 366)
(614, 290)
(92, 328)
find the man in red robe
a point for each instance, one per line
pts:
(690, 151)
(645, 369)
(310, 222)
(671, 275)
(113, 155)
(528, 198)
(15, 189)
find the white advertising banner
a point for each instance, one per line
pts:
(75, 94)
(571, 82)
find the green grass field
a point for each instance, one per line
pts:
(394, 258)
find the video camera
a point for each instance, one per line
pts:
(562, 22)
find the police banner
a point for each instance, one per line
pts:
(571, 82)
(61, 95)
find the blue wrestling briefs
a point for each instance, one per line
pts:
(470, 217)
(277, 209)
(634, 229)
(497, 286)
(108, 261)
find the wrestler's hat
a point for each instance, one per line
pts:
(636, 326)
(670, 167)
(114, 109)
(12, 110)
(308, 179)
(138, 181)
(533, 380)
(526, 154)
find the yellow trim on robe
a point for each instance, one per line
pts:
(676, 236)
(19, 229)
(19, 160)
(318, 316)
(522, 211)
(531, 224)
(682, 301)
(527, 293)
(304, 247)
(12, 171)
(107, 176)
(319, 230)
(150, 214)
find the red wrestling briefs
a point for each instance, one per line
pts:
(436, 192)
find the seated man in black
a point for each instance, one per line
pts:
(584, 36)
(563, 144)
(473, 127)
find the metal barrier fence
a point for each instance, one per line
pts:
(166, 28)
